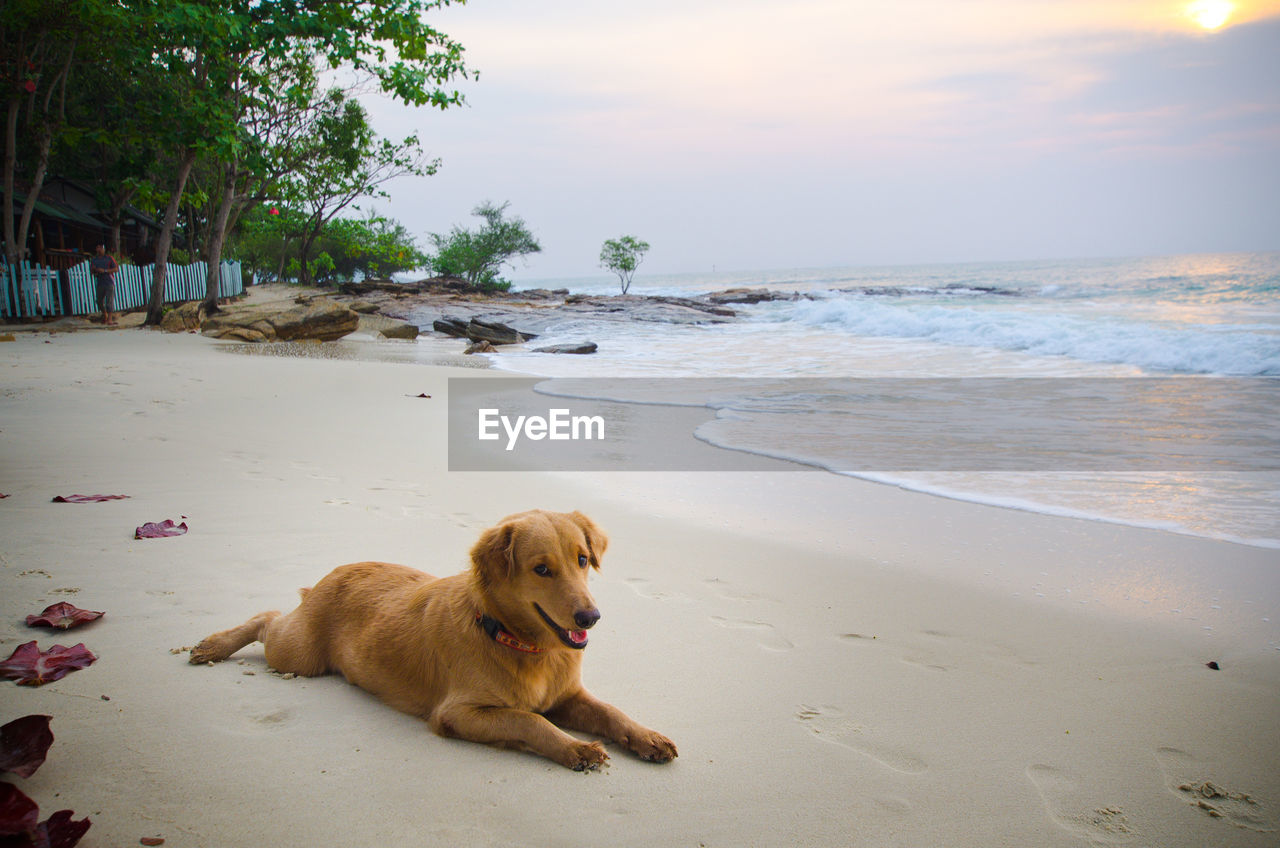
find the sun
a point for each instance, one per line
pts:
(1210, 14)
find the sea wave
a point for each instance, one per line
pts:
(1188, 349)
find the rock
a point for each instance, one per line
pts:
(364, 307)
(244, 334)
(455, 327)
(495, 333)
(390, 328)
(400, 330)
(481, 347)
(320, 319)
(665, 310)
(749, 296)
(537, 294)
(184, 317)
(584, 347)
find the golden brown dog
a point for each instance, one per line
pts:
(492, 655)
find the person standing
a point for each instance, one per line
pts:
(104, 267)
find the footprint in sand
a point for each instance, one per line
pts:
(645, 589)
(1070, 807)
(830, 725)
(727, 590)
(766, 635)
(465, 520)
(1187, 776)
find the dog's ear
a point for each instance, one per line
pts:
(493, 555)
(597, 541)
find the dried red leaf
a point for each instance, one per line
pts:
(18, 813)
(63, 616)
(152, 530)
(2, 497)
(24, 743)
(60, 831)
(29, 666)
(88, 498)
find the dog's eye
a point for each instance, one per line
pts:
(541, 570)
(582, 560)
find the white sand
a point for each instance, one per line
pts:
(840, 663)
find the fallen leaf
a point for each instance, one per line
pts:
(2, 497)
(63, 615)
(87, 498)
(18, 813)
(24, 743)
(152, 530)
(60, 831)
(151, 840)
(29, 666)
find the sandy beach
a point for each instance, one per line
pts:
(840, 662)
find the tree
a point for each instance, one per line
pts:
(219, 47)
(344, 160)
(38, 42)
(622, 256)
(478, 256)
(372, 247)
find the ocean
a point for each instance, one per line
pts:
(1014, 325)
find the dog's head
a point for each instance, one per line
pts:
(533, 568)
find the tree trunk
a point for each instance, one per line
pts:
(155, 306)
(47, 122)
(37, 182)
(309, 237)
(218, 237)
(12, 251)
(119, 200)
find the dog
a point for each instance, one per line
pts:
(492, 655)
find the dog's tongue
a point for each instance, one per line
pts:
(579, 637)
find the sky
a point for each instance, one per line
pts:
(768, 134)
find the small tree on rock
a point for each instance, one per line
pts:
(622, 256)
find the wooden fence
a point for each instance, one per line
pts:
(35, 291)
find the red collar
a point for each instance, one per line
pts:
(499, 634)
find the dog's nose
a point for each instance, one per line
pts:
(586, 618)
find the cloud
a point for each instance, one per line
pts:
(810, 132)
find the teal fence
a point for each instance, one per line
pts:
(35, 291)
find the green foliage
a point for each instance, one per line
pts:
(623, 256)
(323, 268)
(477, 256)
(266, 242)
(230, 85)
(346, 249)
(370, 247)
(341, 160)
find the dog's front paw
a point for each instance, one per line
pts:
(208, 651)
(652, 746)
(585, 756)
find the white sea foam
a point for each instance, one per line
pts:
(1194, 349)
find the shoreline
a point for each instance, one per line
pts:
(835, 662)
